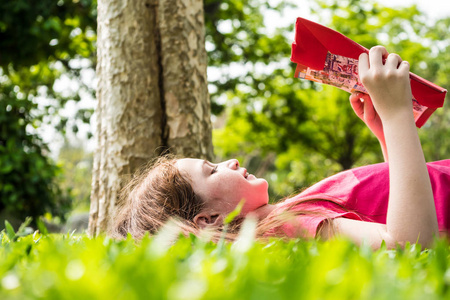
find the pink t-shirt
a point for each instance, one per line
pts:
(363, 192)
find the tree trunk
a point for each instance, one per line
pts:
(152, 92)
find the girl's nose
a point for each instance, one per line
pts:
(233, 164)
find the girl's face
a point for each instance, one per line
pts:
(222, 186)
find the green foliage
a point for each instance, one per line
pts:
(42, 31)
(27, 177)
(235, 33)
(76, 267)
(438, 67)
(23, 230)
(39, 41)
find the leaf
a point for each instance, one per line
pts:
(10, 231)
(24, 229)
(41, 226)
(232, 215)
(246, 237)
(165, 238)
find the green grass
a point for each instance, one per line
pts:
(68, 266)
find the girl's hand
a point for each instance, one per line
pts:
(387, 83)
(363, 107)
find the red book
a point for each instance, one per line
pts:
(327, 56)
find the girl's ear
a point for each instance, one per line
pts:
(204, 220)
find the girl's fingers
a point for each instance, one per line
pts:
(357, 105)
(363, 64)
(404, 66)
(376, 55)
(363, 106)
(354, 97)
(393, 61)
(369, 110)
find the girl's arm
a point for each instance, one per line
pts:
(411, 215)
(363, 107)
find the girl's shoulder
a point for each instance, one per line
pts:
(440, 165)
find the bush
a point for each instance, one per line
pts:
(28, 177)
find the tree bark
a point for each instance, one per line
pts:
(152, 92)
(184, 60)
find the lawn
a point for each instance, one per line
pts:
(70, 266)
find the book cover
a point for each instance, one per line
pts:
(327, 56)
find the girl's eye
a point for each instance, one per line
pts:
(214, 170)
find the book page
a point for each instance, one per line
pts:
(342, 72)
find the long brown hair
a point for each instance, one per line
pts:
(159, 193)
(154, 195)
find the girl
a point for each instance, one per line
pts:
(396, 202)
